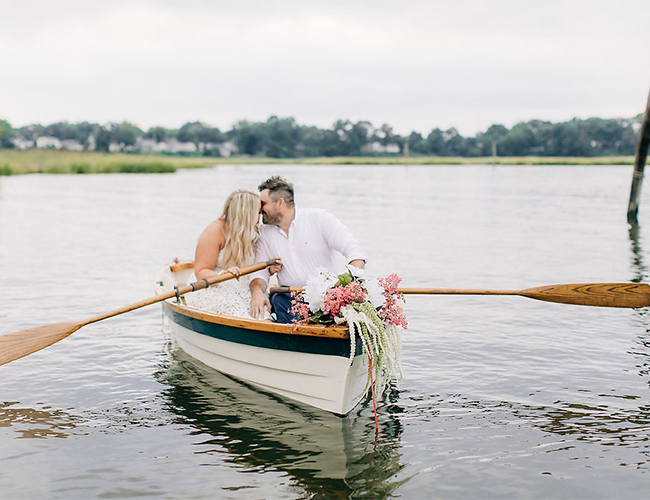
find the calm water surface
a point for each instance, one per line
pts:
(502, 397)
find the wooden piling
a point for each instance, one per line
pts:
(639, 165)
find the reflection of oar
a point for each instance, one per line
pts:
(630, 295)
(18, 344)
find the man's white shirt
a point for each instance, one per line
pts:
(315, 239)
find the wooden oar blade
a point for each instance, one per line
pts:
(19, 344)
(630, 295)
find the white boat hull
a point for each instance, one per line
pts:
(309, 364)
(327, 382)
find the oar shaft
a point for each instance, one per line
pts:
(19, 344)
(418, 291)
(197, 285)
(629, 295)
(456, 291)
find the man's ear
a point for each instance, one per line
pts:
(281, 202)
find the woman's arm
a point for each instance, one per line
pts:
(207, 251)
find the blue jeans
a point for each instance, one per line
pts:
(281, 304)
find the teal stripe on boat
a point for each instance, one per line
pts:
(268, 340)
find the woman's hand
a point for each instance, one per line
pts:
(259, 300)
(235, 271)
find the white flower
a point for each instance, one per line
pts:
(374, 292)
(357, 272)
(317, 285)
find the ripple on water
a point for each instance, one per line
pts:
(502, 397)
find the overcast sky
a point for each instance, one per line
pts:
(414, 65)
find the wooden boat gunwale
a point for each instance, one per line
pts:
(340, 332)
(322, 340)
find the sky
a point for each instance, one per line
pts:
(414, 65)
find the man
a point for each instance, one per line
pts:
(304, 239)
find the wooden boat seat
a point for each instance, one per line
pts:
(179, 267)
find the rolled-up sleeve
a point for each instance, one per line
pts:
(340, 238)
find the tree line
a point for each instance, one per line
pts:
(284, 138)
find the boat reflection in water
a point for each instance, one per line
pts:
(325, 454)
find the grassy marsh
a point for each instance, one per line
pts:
(48, 161)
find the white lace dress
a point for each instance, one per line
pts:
(231, 297)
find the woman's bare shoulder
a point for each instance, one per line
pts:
(215, 231)
(216, 226)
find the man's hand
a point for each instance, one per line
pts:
(360, 263)
(258, 298)
(275, 268)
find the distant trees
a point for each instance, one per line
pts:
(275, 138)
(488, 140)
(198, 132)
(122, 134)
(284, 138)
(6, 134)
(592, 137)
(160, 134)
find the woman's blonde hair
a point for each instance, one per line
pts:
(241, 215)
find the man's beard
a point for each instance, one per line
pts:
(271, 220)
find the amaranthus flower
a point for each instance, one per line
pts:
(326, 295)
(340, 296)
(391, 311)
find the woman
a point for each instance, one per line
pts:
(225, 245)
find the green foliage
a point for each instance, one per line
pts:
(85, 162)
(198, 132)
(283, 138)
(6, 134)
(125, 134)
(345, 279)
(579, 138)
(140, 168)
(81, 168)
(125, 167)
(160, 134)
(103, 139)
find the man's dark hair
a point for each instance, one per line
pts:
(278, 188)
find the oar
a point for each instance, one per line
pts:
(18, 344)
(631, 295)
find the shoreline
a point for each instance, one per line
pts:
(13, 162)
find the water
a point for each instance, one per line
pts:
(502, 397)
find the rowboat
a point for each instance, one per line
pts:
(309, 364)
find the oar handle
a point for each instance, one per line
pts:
(286, 289)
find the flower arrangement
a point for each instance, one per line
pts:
(371, 308)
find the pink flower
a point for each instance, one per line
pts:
(391, 311)
(299, 308)
(340, 296)
(337, 297)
